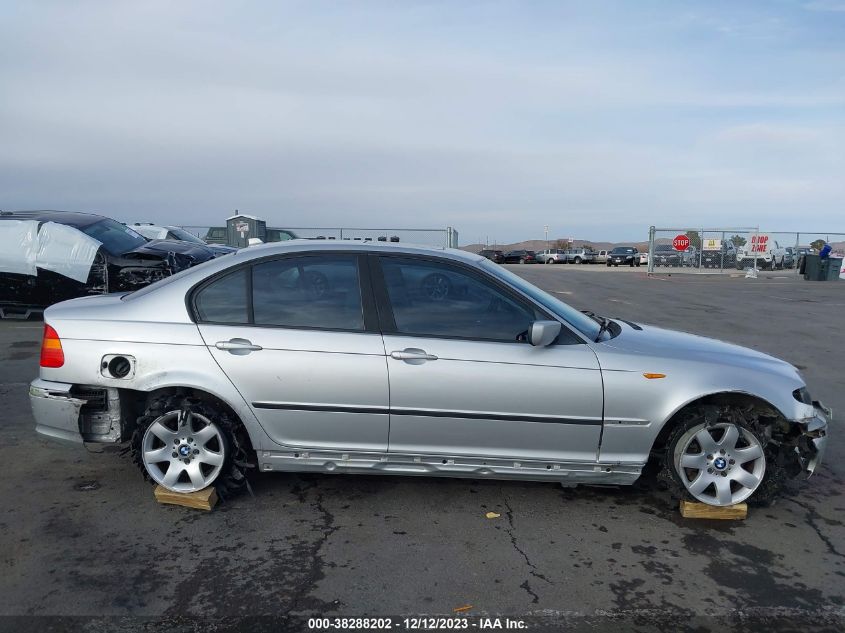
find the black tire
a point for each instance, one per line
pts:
(775, 476)
(578, 260)
(239, 456)
(609, 264)
(521, 261)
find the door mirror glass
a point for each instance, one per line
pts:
(543, 333)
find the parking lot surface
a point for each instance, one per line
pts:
(82, 535)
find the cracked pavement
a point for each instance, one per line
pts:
(376, 545)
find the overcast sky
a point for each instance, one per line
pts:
(595, 118)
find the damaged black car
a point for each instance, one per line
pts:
(51, 256)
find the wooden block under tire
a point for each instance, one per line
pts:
(204, 499)
(695, 510)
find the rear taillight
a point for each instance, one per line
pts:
(51, 348)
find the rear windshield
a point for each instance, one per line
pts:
(182, 234)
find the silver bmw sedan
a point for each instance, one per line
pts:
(384, 358)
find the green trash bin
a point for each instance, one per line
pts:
(818, 269)
(811, 267)
(834, 267)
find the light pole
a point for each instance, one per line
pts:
(546, 231)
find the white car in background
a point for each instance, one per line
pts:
(162, 232)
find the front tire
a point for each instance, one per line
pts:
(186, 444)
(721, 461)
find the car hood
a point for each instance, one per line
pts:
(219, 249)
(161, 248)
(647, 340)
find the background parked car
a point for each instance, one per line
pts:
(789, 257)
(217, 235)
(552, 256)
(520, 257)
(624, 255)
(666, 255)
(50, 256)
(644, 258)
(497, 257)
(601, 257)
(580, 256)
(162, 232)
(721, 257)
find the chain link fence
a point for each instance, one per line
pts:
(733, 249)
(447, 238)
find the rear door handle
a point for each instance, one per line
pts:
(238, 346)
(411, 354)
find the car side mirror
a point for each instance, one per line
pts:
(543, 333)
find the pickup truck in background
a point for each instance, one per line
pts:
(763, 249)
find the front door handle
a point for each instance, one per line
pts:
(238, 346)
(412, 354)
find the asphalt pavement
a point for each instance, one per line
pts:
(81, 534)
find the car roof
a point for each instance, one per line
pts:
(75, 219)
(263, 250)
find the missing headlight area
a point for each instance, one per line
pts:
(51, 256)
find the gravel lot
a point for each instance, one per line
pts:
(81, 534)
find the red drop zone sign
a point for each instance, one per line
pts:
(680, 243)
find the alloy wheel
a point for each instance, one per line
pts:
(183, 451)
(721, 464)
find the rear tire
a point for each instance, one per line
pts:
(223, 453)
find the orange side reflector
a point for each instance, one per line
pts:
(653, 376)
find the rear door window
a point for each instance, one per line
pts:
(319, 291)
(225, 299)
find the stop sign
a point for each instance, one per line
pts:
(680, 243)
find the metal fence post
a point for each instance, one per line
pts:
(650, 249)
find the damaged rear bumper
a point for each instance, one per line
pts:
(76, 414)
(812, 442)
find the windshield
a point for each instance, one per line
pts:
(182, 234)
(622, 249)
(116, 238)
(663, 247)
(581, 322)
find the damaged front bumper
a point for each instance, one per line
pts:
(74, 413)
(811, 443)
